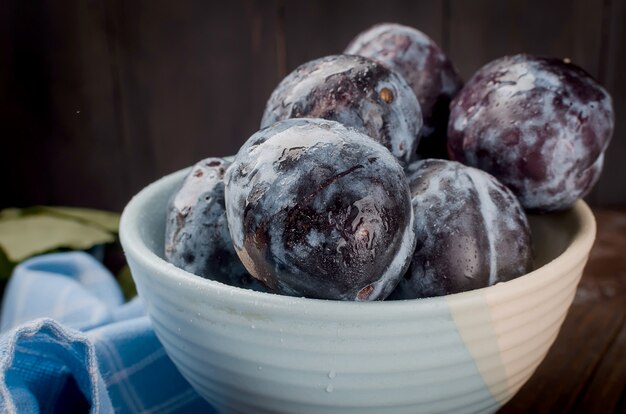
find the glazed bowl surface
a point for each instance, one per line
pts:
(253, 352)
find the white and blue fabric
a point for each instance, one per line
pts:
(69, 343)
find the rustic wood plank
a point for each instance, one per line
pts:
(605, 280)
(321, 28)
(610, 190)
(194, 79)
(62, 137)
(160, 86)
(11, 110)
(84, 141)
(23, 103)
(484, 30)
(607, 389)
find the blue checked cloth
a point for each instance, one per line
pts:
(69, 343)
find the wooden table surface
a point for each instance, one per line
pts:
(585, 370)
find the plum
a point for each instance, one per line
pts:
(425, 67)
(470, 231)
(196, 234)
(539, 125)
(320, 210)
(355, 91)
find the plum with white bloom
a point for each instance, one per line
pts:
(539, 125)
(470, 231)
(319, 210)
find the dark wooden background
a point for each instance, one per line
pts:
(100, 97)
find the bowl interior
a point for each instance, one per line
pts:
(552, 233)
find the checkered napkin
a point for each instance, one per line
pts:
(69, 343)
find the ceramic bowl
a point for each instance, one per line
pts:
(251, 352)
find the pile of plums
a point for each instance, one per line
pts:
(378, 175)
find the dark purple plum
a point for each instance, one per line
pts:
(540, 125)
(196, 234)
(470, 231)
(356, 92)
(425, 67)
(320, 210)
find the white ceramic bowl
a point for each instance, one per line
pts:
(250, 352)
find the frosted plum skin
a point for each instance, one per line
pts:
(196, 235)
(471, 231)
(540, 125)
(425, 67)
(355, 91)
(321, 211)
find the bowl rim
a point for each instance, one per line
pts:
(135, 247)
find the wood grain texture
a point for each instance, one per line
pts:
(605, 284)
(8, 115)
(320, 28)
(483, 30)
(193, 77)
(606, 391)
(611, 189)
(102, 97)
(23, 113)
(105, 97)
(62, 139)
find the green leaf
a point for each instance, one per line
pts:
(125, 279)
(106, 220)
(6, 267)
(9, 213)
(23, 237)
